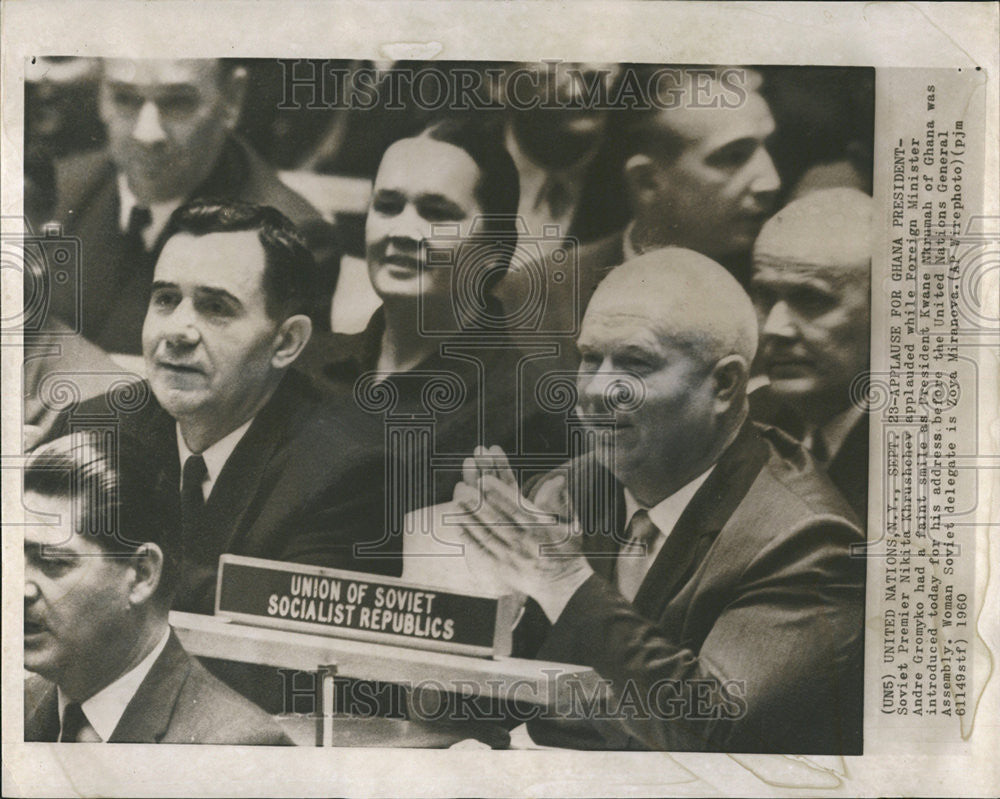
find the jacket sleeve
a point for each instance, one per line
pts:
(781, 653)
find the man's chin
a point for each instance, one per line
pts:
(794, 388)
(178, 401)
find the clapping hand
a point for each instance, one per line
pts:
(532, 548)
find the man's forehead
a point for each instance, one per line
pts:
(620, 324)
(831, 276)
(712, 128)
(233, 261)
(199, 73)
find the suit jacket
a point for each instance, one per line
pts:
(107, 297)
(178, 702)
(848, 469)
(304, 484)
(747, 632)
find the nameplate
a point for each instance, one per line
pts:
(366, 607)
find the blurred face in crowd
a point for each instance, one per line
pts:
(76, 601)
(814, 331)
(167, 121)
(715, 193)
(422, 184)
(554, 111)
(213, 353)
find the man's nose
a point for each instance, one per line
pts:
(180, 328)
(148, 128)
(606, 390)
(766, 181)
(31, 590)
(780, 321)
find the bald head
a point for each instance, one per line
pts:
(811, 285)
(665, 348)
(691, 301)
(827, 231)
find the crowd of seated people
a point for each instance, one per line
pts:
(625, 320)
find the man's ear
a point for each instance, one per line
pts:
(729, 383)
(290, 340)
(640, 177)
(147, 566)
(235, 88)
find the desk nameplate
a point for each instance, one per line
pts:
(365, 607)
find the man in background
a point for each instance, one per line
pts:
(100, 573)
(812, 286)
(170, 137)
(698, 172)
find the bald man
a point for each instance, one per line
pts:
(700, 564)
(811, 285)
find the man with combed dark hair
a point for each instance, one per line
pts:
(100, 572)
(698, 171)
(258, 465)
(171, 137)
(699, 563)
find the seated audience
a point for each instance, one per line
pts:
(100, 573)
(811, 285)
(699, 563)
(170, 138)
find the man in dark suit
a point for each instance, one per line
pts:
(564, 141)
(170, 130)
(698, 563)
(100, 569)
(258, 463)
(811, 286)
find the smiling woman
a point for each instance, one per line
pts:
(440, 233)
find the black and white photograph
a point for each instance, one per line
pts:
(372, 403)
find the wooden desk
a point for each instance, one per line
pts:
(538, 682)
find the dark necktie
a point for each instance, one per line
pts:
(75, 726)
(139, 219)
(192, 500)
(632, 560)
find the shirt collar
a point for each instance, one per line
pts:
(105, 708)
(667, 511)
(215, 456)
(534, 177)
(627, 246)
(159, 212)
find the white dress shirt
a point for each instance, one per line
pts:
(536, 184)
(159, 213)
(664, 515)
(215, 456)
(105, 708)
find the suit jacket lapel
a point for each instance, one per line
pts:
(702, 519)
(148, 715)
(41, 721)
(237, 487)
